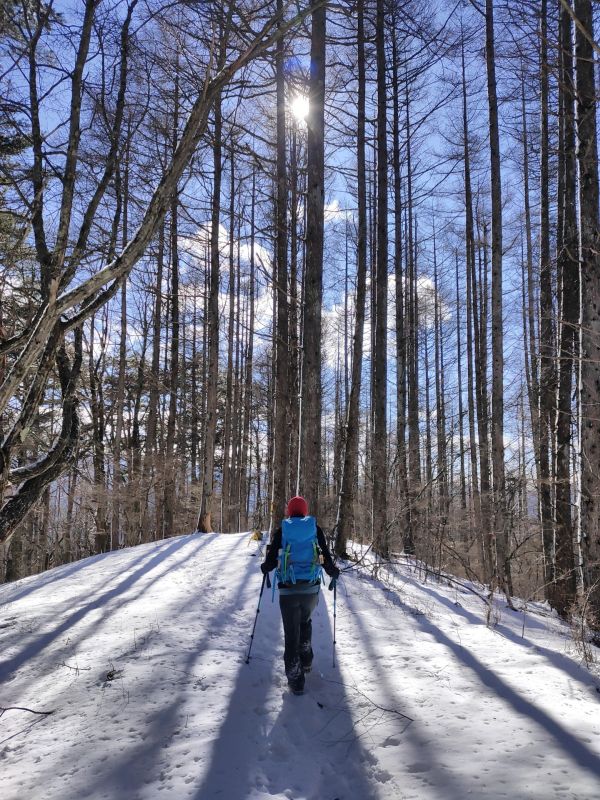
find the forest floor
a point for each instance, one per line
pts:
(140, 656)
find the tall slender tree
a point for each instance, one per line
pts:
(210, 427)
(347, 493)
(499, 521)
(379, 357)
(280, 288)
(170, 467)
(562, 594)
(589, 377)
(311, 455)
(546, 345)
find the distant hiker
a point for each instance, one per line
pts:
(299, 552)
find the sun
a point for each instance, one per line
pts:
(299, 107)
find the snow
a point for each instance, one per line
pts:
(140, 655)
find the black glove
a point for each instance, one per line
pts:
(264, 569)
(335, 573)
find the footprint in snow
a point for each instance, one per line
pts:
(382, 775)
(418, 766)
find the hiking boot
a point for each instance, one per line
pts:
(306, 656)
(297, 685)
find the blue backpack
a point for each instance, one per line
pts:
(299, 557)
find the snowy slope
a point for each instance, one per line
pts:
(140, 656)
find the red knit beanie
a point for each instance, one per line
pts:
(297, 507)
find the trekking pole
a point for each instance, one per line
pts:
(262, 586)
(333, 585)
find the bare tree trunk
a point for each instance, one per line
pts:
(169, 478)
(294, 353)
(346, 498)
(258, 513)
(313, 279)
(546, 348)
(369, 456)
(169, 467)
(43, 542)
(381, 543)
(400, 310)
(152, 446)
(67, 548)
(414, 434)
(194, 416)
(135, 526)
(280, 288)
(562, 595)
(479, 321)
(440, 405)
(471, 323)
(589, 378)
(499, 523)
(117, 472)
(236, 422)
(428, 540)
(531, 358)
(204, 524)
(248, 376)
(98, 434)
(228, 424)
(461, 412)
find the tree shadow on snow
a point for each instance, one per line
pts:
(175, 717)
(34, 583)
(104, 600)
(304, 752)
(418, 754)
(558, 660)
(564, 740)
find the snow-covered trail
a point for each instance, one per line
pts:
(140, 655)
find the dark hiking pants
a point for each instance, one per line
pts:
(296, 611)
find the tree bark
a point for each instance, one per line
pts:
(499, 521)
(311, 458)
(562, 594)
(547, 338)
(248, 375)
(471, 322)
(346, 498)
(400, 321)
(228, 444)
(381, 543)
(280, 287)
(589, 377)
(204, 524)
(412, 318)
(173, 412)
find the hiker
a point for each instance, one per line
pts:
(299, 552)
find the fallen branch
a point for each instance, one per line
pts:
(357, 562)
(21, 708)
(368, 699)
(75, 669)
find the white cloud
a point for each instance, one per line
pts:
(333, 212)
(262, 256)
